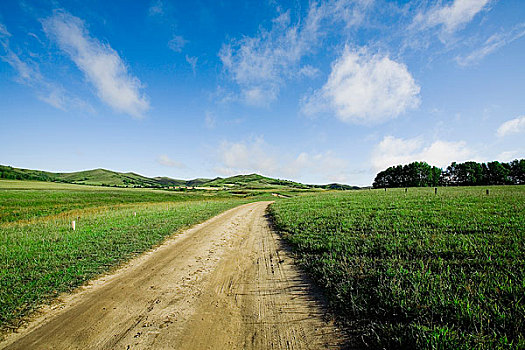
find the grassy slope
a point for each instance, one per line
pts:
(254, 181)
(44, 257)
(417, 270)
(90, 177)
(107, 177)
(112, 178)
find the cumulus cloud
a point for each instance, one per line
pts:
(513, 126)
(101, 65)
(167, 161)
(450, 17)
(393, 151)
(365, 89)
(260, 65)
(492, 44)
(257, 156)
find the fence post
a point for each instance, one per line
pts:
(73, 225)
(435, 190)
(487, 192)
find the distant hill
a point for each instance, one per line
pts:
(97, 177)
(254, 181)
(103, 177)
(336, 186)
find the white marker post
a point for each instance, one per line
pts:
(134, 213)
(73, 225)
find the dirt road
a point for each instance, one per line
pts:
(224, 284)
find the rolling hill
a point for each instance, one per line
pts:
(103, 177)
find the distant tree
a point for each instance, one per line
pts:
(416, 174)
(497, 174)
(435, 176)
(469, 173)
(421, 174)
(517, 171)
(463, 174)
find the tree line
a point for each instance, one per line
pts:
(421, 174)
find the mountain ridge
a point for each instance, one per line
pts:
(105, 177)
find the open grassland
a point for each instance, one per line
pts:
(26, 200)
(417, 270)
(42, 257)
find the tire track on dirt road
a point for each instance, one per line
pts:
(223, 284)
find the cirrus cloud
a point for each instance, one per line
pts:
(28, 73)
(101, 64)
(492, 44)
(451, 17)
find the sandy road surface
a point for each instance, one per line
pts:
(224, 284)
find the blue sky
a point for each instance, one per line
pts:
(318, 92)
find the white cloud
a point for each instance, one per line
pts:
(101, 65)
(393, 151)
(257, 156)
(365, 89)
(56, 96)
(177, 43)
(27, 70)
(509, 156)
(3, 31)
(209, 120)
(167, 161)
(324, 164)
(156, 8)
(513, 126)
(492, 44)
(247, 157)
(260, 65)
(308, 71)
(29, 74)
(192, 61)
(451, 17)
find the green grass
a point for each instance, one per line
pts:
(26, 200)
(417, 270)
(40, 256)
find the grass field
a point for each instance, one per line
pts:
(417, 270)
(40, 256)
(27, 200)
